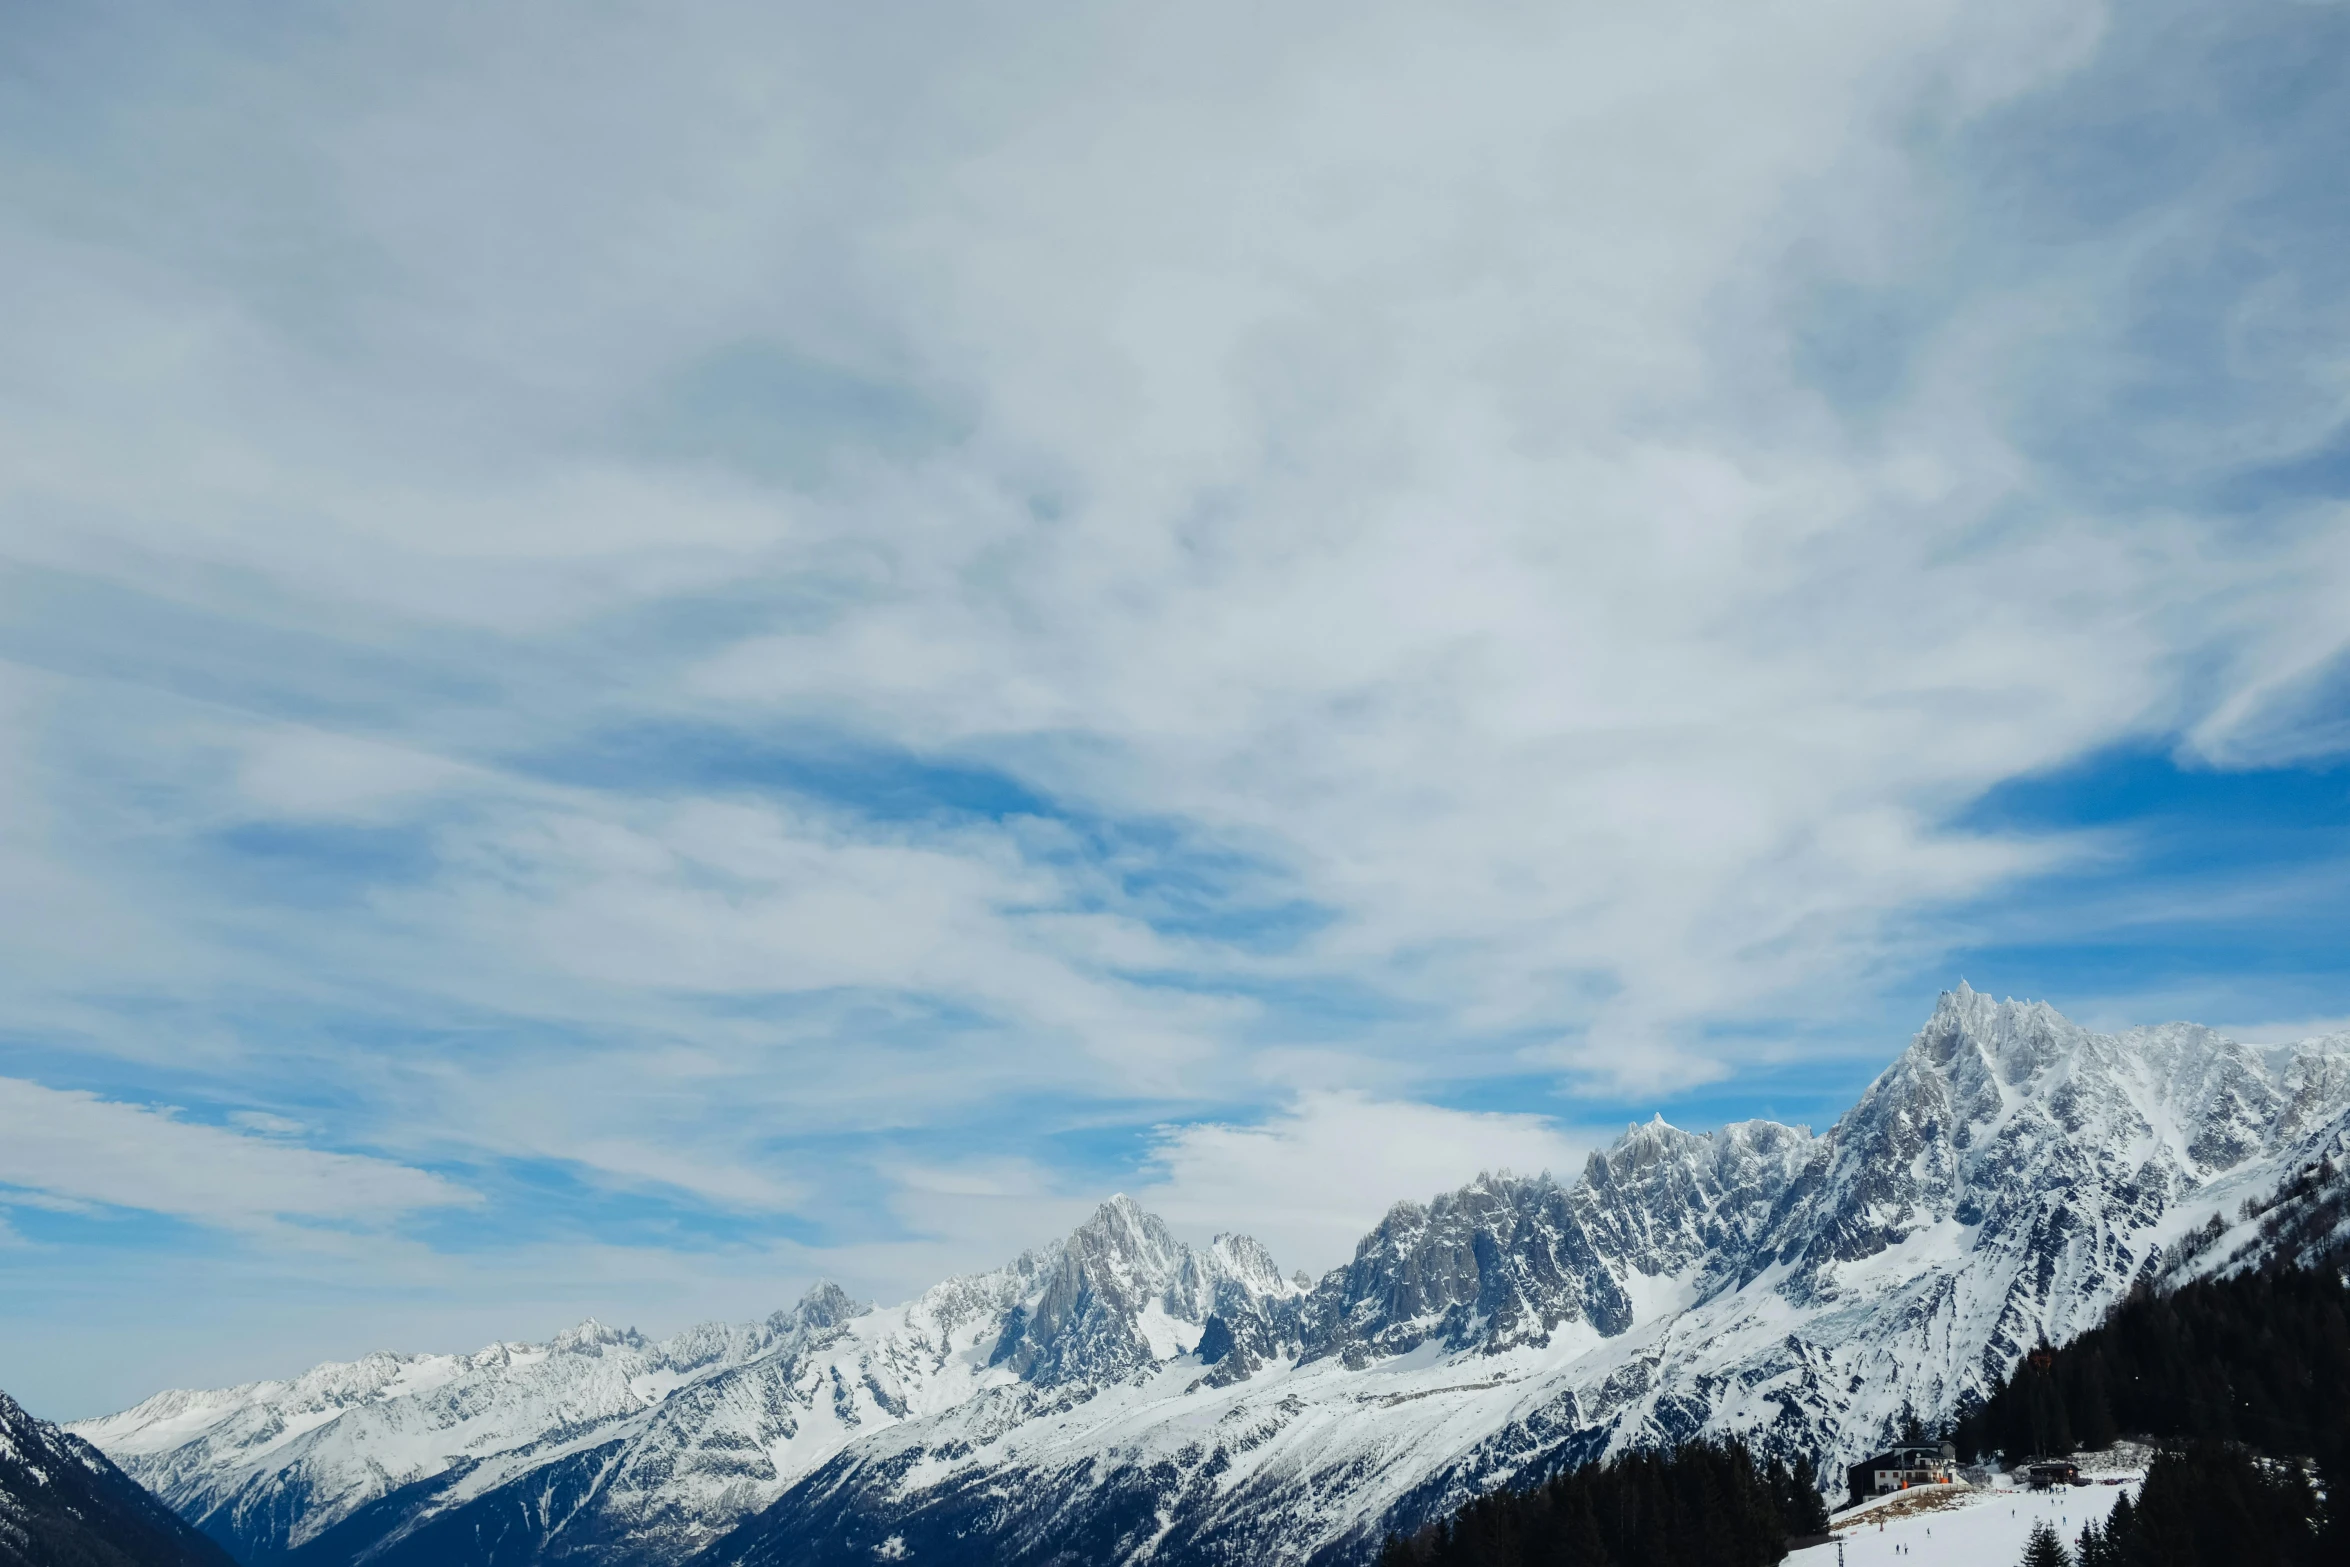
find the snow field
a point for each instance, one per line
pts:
(1985, 1529)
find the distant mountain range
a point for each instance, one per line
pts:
(1120, 1397)
(63, 1504)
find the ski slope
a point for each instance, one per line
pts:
(1985, 1528)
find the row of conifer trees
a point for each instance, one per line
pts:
(1701, 1502)
(2261, 1359)
(2246, 1378)
(2210, 1505)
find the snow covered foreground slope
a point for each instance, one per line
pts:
(1121, 1397)
(1969, 1529)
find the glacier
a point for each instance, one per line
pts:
(1121, 1396)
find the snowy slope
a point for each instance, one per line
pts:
(1122, 1397)
(1979, 1529)
(604, 1445)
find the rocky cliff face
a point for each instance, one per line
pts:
(1120, 1397)
(1506, 1263)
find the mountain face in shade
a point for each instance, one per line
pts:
(1121, 1397)
(63, 1504)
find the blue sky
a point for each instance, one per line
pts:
(650, 654)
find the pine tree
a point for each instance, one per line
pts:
(1579, 1538)
(1704, 1503)
(2096, 1426)
(2044, 1549)
(1807, 1513)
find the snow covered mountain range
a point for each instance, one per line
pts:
(1119, 1396)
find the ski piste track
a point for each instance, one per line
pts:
(1976, 1527)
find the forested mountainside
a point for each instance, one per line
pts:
(1708, 1502)
(63, 1504)
(2214, 1504)
(2260, 1358)
(1121, 1396)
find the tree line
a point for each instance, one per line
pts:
(2261, 1359)
(2248, 1379)
(2209, 1505)
(1700, 1504)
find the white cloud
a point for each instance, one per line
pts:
(1370, 444)
(1630, 1065)
(303, 773)
(605, 907)
(79, 1147)
(1379, 454)
(1312, 1179)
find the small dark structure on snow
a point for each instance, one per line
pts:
(2053, 1473)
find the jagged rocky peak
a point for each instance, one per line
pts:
(2016, 1040)
(1250, 1310)
(1979, 1068)
(1500, 1262)
(1244, 1259)
(1122, 1294)
(1971, 1123)
(1439, 1238)
(1125, 1248)
(2209, 1100)
(2034, 1050)
(1661, 1202)
(1508, 1260)
(2314, 1077)
(1639, 1152)
(825, 1305)
(592, 1337)
(1645, 1142)
(1659, 1151)
(1129, 1256)
(2051, 1148)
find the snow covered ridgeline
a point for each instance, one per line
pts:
(2006, 1177)
(662, 1445)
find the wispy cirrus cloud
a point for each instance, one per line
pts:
(80, 1148)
